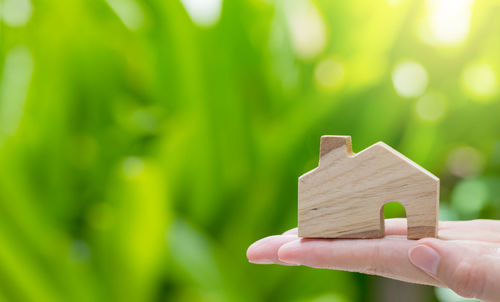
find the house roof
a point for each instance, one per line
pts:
(398, 154)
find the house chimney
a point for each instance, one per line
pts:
(341, 145)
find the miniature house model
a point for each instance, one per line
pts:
(344, 196)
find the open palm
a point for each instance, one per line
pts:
(465, 258)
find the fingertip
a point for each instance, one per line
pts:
(256, 251)
(250, 252)
(288, 252)
(252, 248)
(264, 251)
(424, 257)
(293, 231)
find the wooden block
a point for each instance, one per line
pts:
(344, 196)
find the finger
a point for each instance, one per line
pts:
(293, 231)
(470, 268)
(478, 230)
(386, 257)
(396, 226)
(393, 226)
(265, 251)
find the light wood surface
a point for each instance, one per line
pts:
(344, 196)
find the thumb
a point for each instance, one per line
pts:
(471, 269)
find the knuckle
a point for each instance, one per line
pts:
(377, 265)
(468, 279)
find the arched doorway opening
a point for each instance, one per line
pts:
(389, 210)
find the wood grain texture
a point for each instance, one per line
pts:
(344, 196)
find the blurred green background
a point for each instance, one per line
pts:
(145, 144)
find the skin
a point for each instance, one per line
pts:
(464, 258)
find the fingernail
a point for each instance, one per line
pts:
(261, 261)
(289, 262)
(425, 258)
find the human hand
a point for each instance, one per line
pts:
(465, 258)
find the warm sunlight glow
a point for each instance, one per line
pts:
(447, 22)
(394, 2)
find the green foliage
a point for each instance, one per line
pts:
(143, 148)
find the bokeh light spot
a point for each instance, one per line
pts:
(204, 13)
(430, 107)
(129, 12)
(133, 167)
(447, 22)
(15, 12)
(448, 295)
(328, 297)
(14, 86)
(329, 74)
(446, 212)
(480, 81)
(307, 28)
(470, 196)
(409, 79)
(465, 162)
